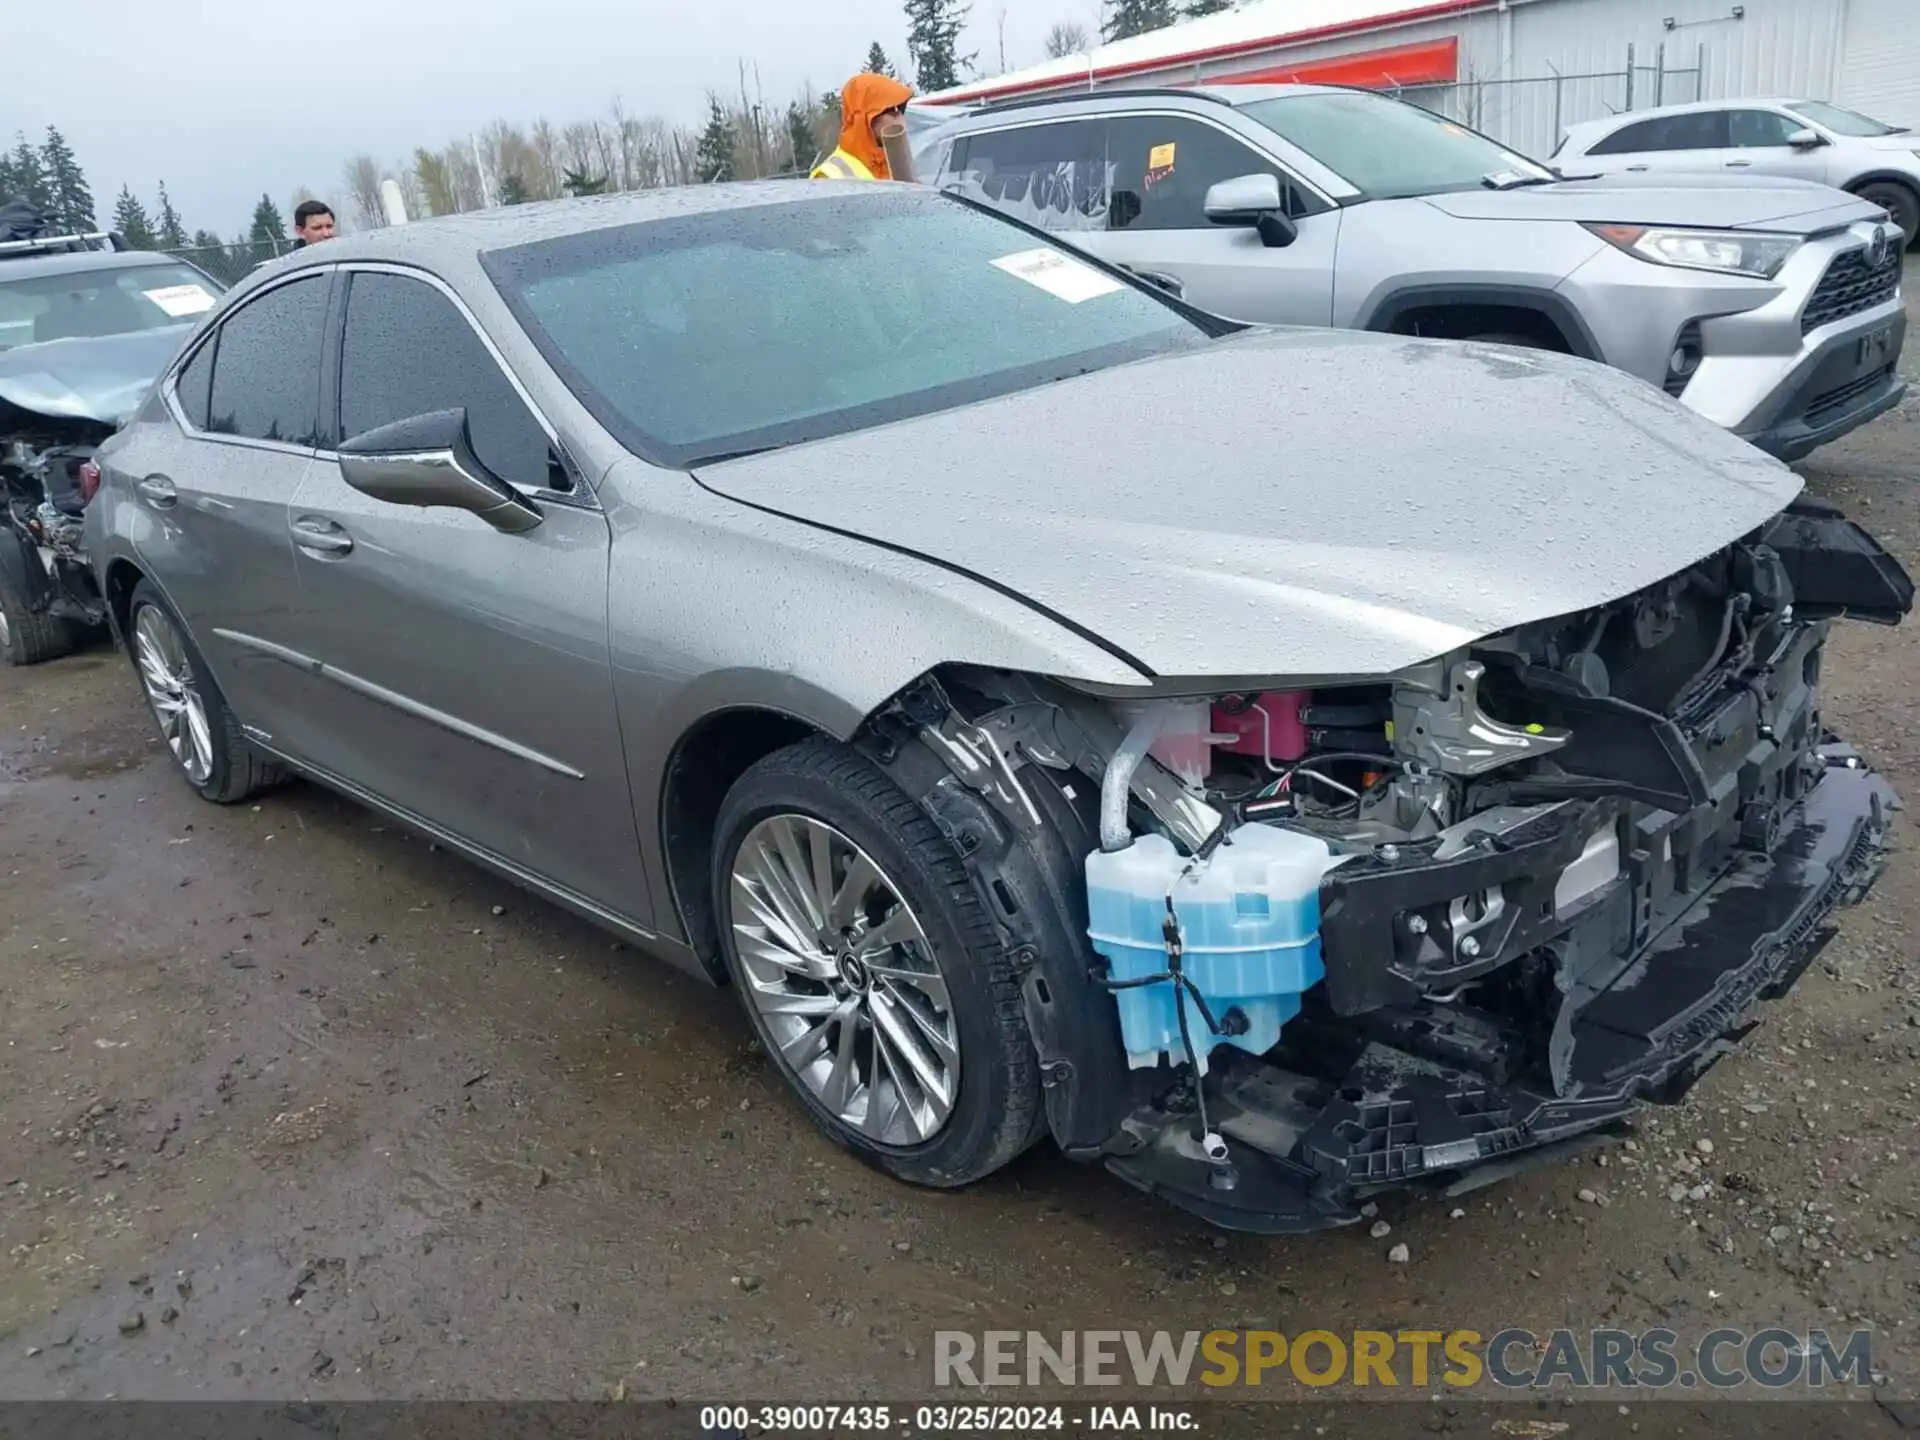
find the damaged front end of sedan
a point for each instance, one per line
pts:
(1285, 944)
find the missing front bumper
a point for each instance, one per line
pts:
(1442, 1097)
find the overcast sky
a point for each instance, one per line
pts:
(224, 99)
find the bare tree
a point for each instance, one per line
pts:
(411, 195)
(363, 176)
(578, 150)
(544, 183)
(463, 176)
(1066, 38)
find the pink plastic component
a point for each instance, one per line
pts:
(1269, 727)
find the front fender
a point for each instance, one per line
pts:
(715, 606)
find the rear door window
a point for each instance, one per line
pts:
(409, 351)
(266, 371)
(1695, 130)
(1051, 176)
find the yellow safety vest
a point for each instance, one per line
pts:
(841, 166)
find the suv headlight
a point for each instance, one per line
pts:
(1728, 252)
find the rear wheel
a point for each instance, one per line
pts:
(27, 637)
(1899, 202)
(868, 968)
(201, 733)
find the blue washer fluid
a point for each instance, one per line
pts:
(1250, 930)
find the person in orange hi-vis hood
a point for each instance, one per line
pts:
(865, 101)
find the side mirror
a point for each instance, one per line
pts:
(428, 461)
(1256, 201)
(1804, 139)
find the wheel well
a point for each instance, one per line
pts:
(122, 577)
(1448, 320)
(709, 758)
(1901, 182)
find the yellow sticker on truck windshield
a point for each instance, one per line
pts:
(1160, 157)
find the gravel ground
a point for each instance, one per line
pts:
(294, 1104)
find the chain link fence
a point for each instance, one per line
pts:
(1529, 114)
(230, 264)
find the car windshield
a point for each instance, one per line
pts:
(741, 329)
(1842, 122)
(85, 304)
(1387, 149)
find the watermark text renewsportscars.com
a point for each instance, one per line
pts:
(1656, 1359)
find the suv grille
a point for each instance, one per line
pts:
(1850, 286)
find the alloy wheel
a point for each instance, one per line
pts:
(160, 653)
(841, 974)
(6, 629)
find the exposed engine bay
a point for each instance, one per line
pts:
(1285, 945)
(43, 482)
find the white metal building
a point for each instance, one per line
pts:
(1523, 70)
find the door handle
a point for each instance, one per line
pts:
(1739, 164)
(1637, 167)
(321, 536)
(158, 491)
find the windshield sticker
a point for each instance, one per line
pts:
(1059, 276)
(180, 301)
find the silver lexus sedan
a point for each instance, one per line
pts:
(1276, 764)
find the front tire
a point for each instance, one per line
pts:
(201, 733)
(27, 636)
(1902, 204)
(867, 966)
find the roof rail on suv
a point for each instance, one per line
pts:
(51, 244)
(994, 107)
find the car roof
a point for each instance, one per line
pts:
(1121, 98)
(1608, 124)
(449, 239)
(70, 262)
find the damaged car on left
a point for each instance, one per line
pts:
(86, 325)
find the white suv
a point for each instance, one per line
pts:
(1803, 139)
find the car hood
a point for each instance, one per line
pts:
(1712, 201)
(1294, 503)
(103, 378)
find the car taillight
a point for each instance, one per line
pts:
(89, 477)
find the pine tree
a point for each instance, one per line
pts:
(877, 62)
(130, 219)
(1126, 18)
(205, 240)
(67, 193)
(577, 183)
(800, 137)
(25, 179)
(168, 229)
(267, 228)
(513, 190)
(714, 155)
(933, 35)
(1196, 8)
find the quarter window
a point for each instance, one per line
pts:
(409, 351)
(195, 385)
(266, 372)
